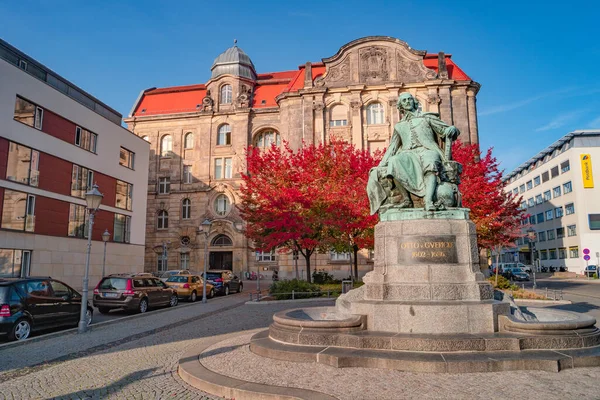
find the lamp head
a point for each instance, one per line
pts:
(93, 198)
(205, 226)
(106, 235)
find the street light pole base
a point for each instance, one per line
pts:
(82, 327)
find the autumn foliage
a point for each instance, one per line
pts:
(495, 212)
(310, 199)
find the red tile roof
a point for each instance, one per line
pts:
(180, 99)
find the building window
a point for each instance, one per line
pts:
(28, 113)
(375, 114)
(335, 256)
(530, 202)
(266, 139)
(222, 241)
(163, 220)
(550, 234)
(560, 233)
(543, 254)
(184, 261)
(549, 215)
(523, 205)
(124, 195)
(186, 209)
(567, 188)
(82, 180)
(224, 135)
(594, 221)
(574, 252)
(162, 263)
(85, 139)
(14, 263)
(541, 236)
(554, 172)
(78, 221)
(23, 164)
(529, 185)
(562, 253)
(565, 167)
(532, 219)
(515, 191)
(570, 209)
(540, 218)
(164, 185)
(558, 212)
(338, 116)
(166, 146)
(126, 158)
(265, 256)
(188, 141)
(536, 181)
(121, 228)
(222, 205)
(226, 94)
(187, 174)
(572, 230)
(556, 192)
(522, 188)
(545, 176)
(547, 195)
(539, 199)
(552, 254)
(18, 211)
(223, 168)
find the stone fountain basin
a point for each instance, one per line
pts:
(319, 318)
(548, 322)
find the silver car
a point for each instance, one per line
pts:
(167, 274)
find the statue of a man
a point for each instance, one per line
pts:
(413, 162)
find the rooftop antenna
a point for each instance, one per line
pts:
(235, 42)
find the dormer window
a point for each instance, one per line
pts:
(226, 94)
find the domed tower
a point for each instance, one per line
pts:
(233, 62)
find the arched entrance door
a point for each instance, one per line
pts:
(221, 259)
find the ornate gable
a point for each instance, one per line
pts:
(375, 60)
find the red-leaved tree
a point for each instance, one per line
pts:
(309, 199)
(494, 211)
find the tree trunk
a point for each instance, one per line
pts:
(307, 255)
(355, 251)
(497, 263)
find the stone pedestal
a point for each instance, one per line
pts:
(426, 279)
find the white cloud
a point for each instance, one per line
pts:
(560, 120)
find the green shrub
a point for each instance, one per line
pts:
(282, 290)
(323, 277)
(503, 283)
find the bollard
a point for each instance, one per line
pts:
(250, 296)
(293, 295)
(546, 292)
(327, 293)
(523, 286)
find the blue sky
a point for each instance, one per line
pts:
(537, 61)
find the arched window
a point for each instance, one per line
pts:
(186, 209)
(188, 141)
(375, 114)
(226, 94)
(224, 135)
(338, 116)
(146, 138)
(163, 220)
(166, 145)
(222, 240)
(222, 205)
(265, 139)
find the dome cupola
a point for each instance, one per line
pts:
(233, 61)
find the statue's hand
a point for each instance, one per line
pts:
(452, 132)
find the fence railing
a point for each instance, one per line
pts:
(294, 295)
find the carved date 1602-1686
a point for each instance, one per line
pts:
(427, 250)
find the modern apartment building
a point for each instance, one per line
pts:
(561, 198)
(56, 141)
(199, 134)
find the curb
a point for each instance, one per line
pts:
(72, 331)
(316, 299)
(536, 301)
(195, 374)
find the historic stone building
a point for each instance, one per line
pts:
(199, 133)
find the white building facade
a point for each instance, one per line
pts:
(561, 199)
(56, 141)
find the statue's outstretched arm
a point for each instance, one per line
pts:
(441, 128)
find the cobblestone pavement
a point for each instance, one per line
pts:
(135, 359)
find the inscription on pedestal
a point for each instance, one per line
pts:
(427, 249)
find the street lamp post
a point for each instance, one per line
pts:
(205, 228)
(105, 237)
(93, 198)
(531, 235)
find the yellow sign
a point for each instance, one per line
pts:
(586, 170)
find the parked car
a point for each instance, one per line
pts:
(503, 266)
(165, 275)
(590, 270)
(224, 281)
(515, 273)
(190, 287)
(32, 303)
(137, 292)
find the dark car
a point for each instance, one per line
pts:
(589, 271)
(224, 281)
(134, 292)
(30, 304)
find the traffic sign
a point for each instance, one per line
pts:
(586, 251)
(586, 257)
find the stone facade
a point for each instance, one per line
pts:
(350, 95)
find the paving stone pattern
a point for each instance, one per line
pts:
(135, 359)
